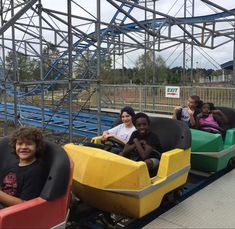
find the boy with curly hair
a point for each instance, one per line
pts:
(24, 180)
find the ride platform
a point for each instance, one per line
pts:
(211, 207)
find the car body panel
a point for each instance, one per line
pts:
(116, 184)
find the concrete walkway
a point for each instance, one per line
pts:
(211, 207)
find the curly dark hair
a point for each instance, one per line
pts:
(141, 115)
(30, 133)
(211, 105)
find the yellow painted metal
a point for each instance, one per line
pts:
(97, 140)
(116, 184)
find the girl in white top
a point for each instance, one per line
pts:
(122, 131)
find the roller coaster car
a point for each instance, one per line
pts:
(212, 153)
(51, 208)
(116, 184)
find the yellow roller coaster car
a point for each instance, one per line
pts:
(116, 184)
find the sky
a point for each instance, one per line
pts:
(203, 58)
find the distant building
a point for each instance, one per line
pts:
(224, 78)
(227, 65)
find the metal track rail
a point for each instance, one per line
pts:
(94, 219)
(84, 123)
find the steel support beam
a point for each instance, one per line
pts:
(17, 16)
(218, 7)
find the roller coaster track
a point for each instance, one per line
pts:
(84, 123)
(83, 44)
(97, 219)
(117, 27)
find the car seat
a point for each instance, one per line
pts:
(51, 207)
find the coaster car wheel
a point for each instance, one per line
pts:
(231, 163)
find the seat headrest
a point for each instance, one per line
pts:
(7, 158)
(56, 162)
(230, 114)
(171, 133)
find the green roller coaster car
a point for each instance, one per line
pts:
(212, 153)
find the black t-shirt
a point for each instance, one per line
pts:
(151, 139)
(24, 182)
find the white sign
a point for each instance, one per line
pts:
(172, 92)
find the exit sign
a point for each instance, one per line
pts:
(172, 92)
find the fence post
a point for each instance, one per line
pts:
(140, 98)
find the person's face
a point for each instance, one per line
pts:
(142, 126)
(126, 119)
(205, 109)
(191, 103)
(26, 150)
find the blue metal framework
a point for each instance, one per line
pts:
(125, 32)
(117, 27)
(84, 123)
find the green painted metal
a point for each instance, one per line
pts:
(230, 137)
(209, 152)
(206, 142)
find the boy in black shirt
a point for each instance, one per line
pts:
(25, 179)
(143, 144)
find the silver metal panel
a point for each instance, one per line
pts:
(212, 207)
(151, 188)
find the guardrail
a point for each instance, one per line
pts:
(152, 98)
(147, 98)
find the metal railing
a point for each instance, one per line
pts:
(145, 98)
(152, 98)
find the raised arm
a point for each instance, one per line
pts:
(197, 119)
(191, 118)
(175, 111)
(223, 117)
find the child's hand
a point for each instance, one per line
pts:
(177, 108)
(105, 135)
(216, 111)
(135, 140)
(122, 154)
(199, 115)
(143, 142)
(190, 112)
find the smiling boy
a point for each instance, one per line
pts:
(25, 179)
(143, 145)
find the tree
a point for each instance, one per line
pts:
(26, 67)
(50, 54)
(85, 66)
(145, 63)
(106, 72)
(176, 76)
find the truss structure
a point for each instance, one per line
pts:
(85, 33)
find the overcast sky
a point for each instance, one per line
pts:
(171, 7)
